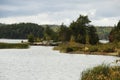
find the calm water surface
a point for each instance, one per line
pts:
(13, 40)
(42, 63)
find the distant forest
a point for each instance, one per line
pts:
(22, 30)
(103, 31)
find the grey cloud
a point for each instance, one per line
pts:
(61, 8)
(39, 6)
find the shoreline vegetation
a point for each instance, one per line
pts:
(102, 72)
(110, 49)
(79, 37)
(14, 45)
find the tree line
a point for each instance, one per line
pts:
(79, 31)
(21, 31)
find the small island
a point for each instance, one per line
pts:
(14, 45)
(80, 37)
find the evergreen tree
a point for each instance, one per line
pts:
(114, 35)
(64, 33)
(79, 28)
(93, 36)
(48, 33)
(118, 25)
(31, 38)
(21, 30)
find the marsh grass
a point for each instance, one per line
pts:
(13, 45)
(69, 47)
(102, 72)
(103, 49)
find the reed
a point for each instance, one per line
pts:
(102, 72)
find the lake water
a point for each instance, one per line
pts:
(104, 41)
(42, 63)
(13, 40)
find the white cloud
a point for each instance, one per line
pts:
(106, 21)
(65, 17)
(40, 19)
(100, 12)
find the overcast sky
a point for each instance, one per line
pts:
(100, 12)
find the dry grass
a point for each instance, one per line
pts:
(102, 72)
(13, 45)
(98, 49)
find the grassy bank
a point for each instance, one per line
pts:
(102, 49)
(13, 45)
(102, 72)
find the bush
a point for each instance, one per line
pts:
(76, 47)
(68, 49)
(118, 45)
(102, 72)
(93, 49)
(31, 38)
(108, 48)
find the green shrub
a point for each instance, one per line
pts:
(108, 49)
(118, 45)
(93, 49)
(99, 48)
(68, 49)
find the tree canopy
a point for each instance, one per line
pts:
(64, 33)
(21, 31)
(115, 34)
(82, 32)
(79, 31)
